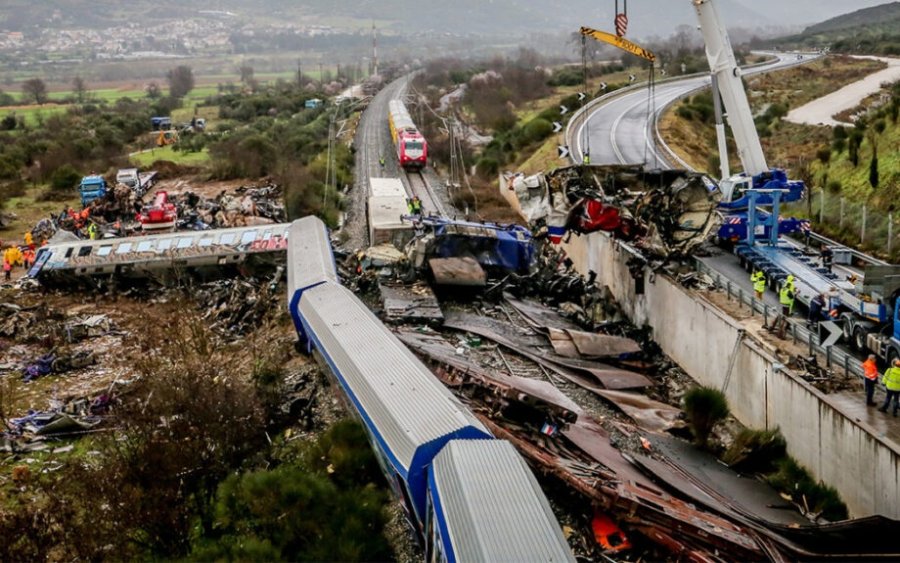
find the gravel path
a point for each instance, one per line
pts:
(820, 111)
(373, 141)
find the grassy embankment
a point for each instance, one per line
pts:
(688, 127)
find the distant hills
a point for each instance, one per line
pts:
(884, 16)
(874, 30)
(496, 17)
(647, 17)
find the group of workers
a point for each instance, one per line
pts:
(414, 205)
(786, 295)
(22, 256)
(891, 381)
(819, 310)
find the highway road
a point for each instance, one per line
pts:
(622, 129)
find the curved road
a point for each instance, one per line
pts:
(622, 130)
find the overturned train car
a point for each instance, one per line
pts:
(440, 461)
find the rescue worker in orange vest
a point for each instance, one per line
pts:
(7, 270)
(870, 378)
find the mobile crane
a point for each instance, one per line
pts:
(870, 310)
(734, 201)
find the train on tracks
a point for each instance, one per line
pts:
(411, 147)
(468, 496)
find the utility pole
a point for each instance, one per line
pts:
(374, 50)
(299, 74)
(321, 75)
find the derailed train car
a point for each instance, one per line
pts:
(412, 419)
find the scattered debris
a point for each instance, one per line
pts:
(665, 212)
(414, 302)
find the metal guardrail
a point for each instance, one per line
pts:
(835, 358)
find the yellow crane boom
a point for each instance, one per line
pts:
(619, 42)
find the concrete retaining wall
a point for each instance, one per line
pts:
(701, 338)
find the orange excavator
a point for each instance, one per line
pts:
(166, 138)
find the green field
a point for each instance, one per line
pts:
(33, 114)
(146, 159)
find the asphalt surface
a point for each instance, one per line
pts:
(622, 130)
(821, 110)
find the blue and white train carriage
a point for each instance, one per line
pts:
(412, 421)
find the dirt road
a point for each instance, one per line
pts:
(820, 111)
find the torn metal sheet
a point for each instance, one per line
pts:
(539, 316)
(647, 413)
(747, 495)
(580, 344)
(415, 302)
(464, 271)
(534, 392)
(593, 440)
(693, 534)
(610, 377)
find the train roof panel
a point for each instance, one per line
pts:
(310, 258)
(491, 507)
(404, 402)
(400, 117)
(381, 187)
(385, 212)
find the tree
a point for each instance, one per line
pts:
(246, 73)
(154, 91)
(35, 89)
(65, 178)
(873, 169)
(80, 89)
(181, 81)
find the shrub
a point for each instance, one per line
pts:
(65, 178)
(323, 506)
(567, 76)
(705, 407)
(537, 130)
(756, 451)
(794, 480)
(824, 154)
(838, 145)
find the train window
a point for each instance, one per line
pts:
(184, 242)
(205, 241)
(69, 251)
(104, 250)
(164, 244)
(248, 237)
(84, 251)
(144, 245)
(227, 238)
(123, 248)
(414, 145)
(267, 235)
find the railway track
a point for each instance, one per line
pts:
(419, 186)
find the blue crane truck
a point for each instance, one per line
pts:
(92, 187)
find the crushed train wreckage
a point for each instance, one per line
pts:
(663, 212)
